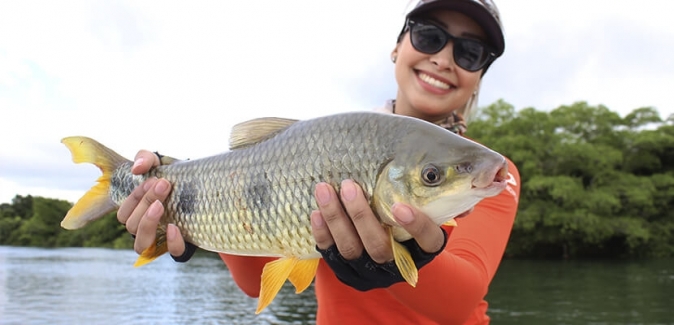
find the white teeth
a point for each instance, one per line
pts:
(433, 82)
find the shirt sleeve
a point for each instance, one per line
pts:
(456, 281)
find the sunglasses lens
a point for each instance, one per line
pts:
(470, 55)
(428, 39)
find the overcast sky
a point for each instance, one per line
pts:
(175, 76)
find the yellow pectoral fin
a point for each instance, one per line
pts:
(404, 261)
(303, 273)
(274, 275)
(451, 223)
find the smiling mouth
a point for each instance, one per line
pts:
(433, 82)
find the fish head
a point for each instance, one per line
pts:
(439, 173)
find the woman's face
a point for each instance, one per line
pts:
(431, 86)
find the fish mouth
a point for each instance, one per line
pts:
(493, 181)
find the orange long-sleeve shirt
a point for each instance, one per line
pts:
(450, 290)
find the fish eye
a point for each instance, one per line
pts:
(431, 175)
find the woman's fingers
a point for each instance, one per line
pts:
(174, 240)
(145, 160)
(373, 236)
(158, 191)
(428, 235)
(147, 227)
(338, 223)
(348, 221)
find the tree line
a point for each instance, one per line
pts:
(594, 184)
(36, 221)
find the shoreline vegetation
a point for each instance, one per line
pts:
(594, 185)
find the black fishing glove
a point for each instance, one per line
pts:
(187, 254)
(364, 273)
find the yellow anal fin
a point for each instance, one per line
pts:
(404, 261)
(451, 223)
(274, 275)
(158, 248)
(303, 273)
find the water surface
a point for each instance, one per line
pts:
(583, 292)
(100, 286)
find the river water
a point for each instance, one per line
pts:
(99, 286)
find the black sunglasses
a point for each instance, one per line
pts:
(469, 54)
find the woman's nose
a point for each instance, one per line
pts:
(445, 58)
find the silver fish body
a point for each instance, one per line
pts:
(256, 198)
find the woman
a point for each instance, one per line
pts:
(440, 57)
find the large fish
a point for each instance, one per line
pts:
(256, 198)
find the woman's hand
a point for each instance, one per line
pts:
(141, 211)
(353, 233)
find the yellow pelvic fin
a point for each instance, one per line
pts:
(96, 202)
(274, 275)
(303, 273)
(158, 248)
(257, 130)
(451, 223)
(404, 261)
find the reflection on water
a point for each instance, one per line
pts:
(100, 286)
(583, 292)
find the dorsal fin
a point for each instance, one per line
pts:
(257, 130)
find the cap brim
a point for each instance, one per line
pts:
(473, 10)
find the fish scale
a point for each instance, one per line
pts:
(268, 188)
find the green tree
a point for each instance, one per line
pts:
(593, 183)
(42, 227)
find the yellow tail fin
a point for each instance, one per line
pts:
(96, 202)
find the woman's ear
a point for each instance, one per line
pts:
(394, 54)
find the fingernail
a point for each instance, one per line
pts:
(348, 190)
(137, 163)
(317, 219)
(162, 187)
(322, 193)
(402, 213)
(148, 184)
(153, 210)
